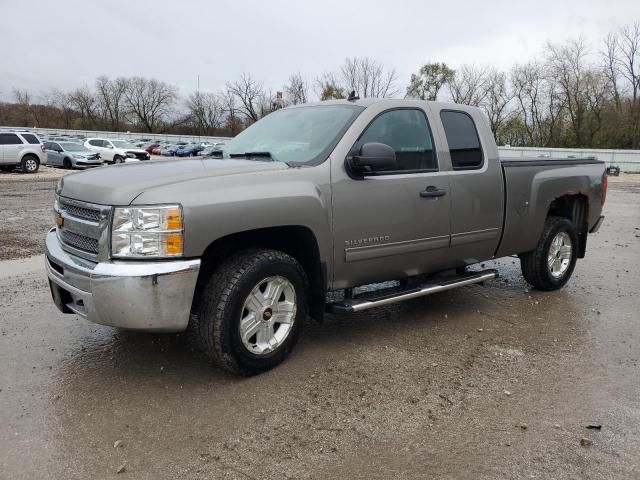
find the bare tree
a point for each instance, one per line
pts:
(628, 61)
(567, 66)
(62, 101)
(368, 78)
(469, 85)
(611, 67)
(598, 94)
(297, 89)
(22, 99)
(207, 111)
(327, 87)
(250, 94)
(111, 100)
(150, 101)
(426, 84)
(497, 100)
(539, 104)
(84, 101)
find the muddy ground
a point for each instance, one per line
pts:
(494, 381)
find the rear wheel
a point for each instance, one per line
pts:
(66, 163)
(551, 264)
(251, 311)
(30, 164)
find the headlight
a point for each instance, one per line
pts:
(130, 155)
(78, 156)
(155, 231)
(59, 186)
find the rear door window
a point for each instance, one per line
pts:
(462, 137)
(10, 139)
(32, 139)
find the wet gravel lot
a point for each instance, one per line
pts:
(493, 381)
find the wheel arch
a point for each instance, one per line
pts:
(295, 240)
(575, 208)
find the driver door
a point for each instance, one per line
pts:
(392, 224)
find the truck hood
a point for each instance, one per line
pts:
(121, 184)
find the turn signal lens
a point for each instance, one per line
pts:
(174, 219)
(173, 244)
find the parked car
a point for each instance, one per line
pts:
(169, 150)
(21, 149)
(213, 150)
(71, 155)
(116, 151)
(314, 199)
(157, 150)
(189, 150)
(149, 148)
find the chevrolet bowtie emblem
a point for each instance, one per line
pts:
(59, 220)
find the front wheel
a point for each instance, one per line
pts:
(550, 265)
(251, 311)
(118, 159)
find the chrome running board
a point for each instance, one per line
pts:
(357, 304)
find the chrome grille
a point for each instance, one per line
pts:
(80, 242)
(83, 228)
(85, 213)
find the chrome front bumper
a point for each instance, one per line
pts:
(153, 296)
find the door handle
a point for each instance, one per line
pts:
(432, 192)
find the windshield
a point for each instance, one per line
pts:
(122, 144)
(303, 135)
(74, 147)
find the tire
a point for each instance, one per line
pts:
(118, 159)
(225, 305)
(30, 164)
(539, 267)
(66, 164)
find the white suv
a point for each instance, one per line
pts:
(22, 149)
(116, 151)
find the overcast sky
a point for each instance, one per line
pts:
(68, 43)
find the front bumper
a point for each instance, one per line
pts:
(153, 296)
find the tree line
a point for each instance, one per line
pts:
(572, 95)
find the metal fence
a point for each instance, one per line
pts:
(627, 160)
(56, 132)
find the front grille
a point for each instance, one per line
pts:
(79, 241)
(85, 213)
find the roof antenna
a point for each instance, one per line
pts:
(352, 96)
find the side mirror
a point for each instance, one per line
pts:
(371, 158)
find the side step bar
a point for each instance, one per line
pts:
(359, 304)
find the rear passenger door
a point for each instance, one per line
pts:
(12, 146)
(477, 190)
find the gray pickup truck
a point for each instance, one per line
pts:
(306, 205)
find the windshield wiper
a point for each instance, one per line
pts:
(252, 154)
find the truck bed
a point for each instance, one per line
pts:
(533, 183)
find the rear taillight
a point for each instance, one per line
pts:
(605, 186)
(42, 148)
